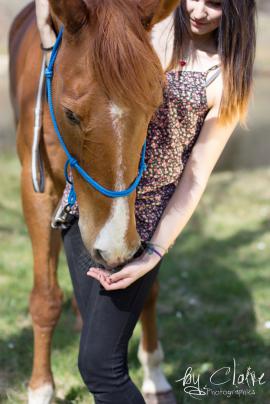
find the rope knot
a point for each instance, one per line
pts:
(72, 162)
(48, 73)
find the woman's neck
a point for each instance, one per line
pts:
(200, 52)
(200, 43)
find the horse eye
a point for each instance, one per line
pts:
(146, 21)
(72, 117)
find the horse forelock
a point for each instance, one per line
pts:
(122, 57)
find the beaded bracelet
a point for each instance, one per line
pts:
(151, 246)
(150, 249)
(158, 245)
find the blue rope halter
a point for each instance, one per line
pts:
(71, 161)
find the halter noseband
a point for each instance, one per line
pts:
(71, 161)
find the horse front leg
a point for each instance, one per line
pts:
(45, 301)
(155, 388)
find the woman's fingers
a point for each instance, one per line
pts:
(109, 276)
(98, 271)
(98, 276)
(123, 273)
(123, 283)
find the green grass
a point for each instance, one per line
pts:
(214, 293)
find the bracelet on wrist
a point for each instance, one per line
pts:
(166, 250)
(150, 250)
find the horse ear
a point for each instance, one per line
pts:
(154, 11)
(72, 13)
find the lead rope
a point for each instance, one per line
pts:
(37, 163)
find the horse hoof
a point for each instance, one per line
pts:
(160, 398)
(41, 395)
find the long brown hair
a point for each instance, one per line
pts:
(236, 43)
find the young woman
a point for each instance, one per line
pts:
(209, 81)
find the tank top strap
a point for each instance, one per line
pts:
(216, 66)
(210, 78)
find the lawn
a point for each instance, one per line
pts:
(214, 302)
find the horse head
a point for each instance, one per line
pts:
(107, 84)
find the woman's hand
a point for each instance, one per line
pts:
(128, 274)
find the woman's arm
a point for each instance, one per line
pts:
(202, 160)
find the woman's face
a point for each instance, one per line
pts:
(204, 15)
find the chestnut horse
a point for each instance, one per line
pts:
(107, 84)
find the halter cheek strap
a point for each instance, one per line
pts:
(71, 161)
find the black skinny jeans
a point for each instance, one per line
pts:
(109, 319)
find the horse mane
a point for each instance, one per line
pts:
(123, 58)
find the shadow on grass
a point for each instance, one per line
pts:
(206, 316)
(16, 225)
(16, 353)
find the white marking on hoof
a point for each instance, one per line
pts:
(154, 379)
(41, 395)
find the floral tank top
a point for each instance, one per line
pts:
(172, 133)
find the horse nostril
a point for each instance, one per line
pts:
(98, 254)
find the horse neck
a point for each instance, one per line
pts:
(56, 23)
